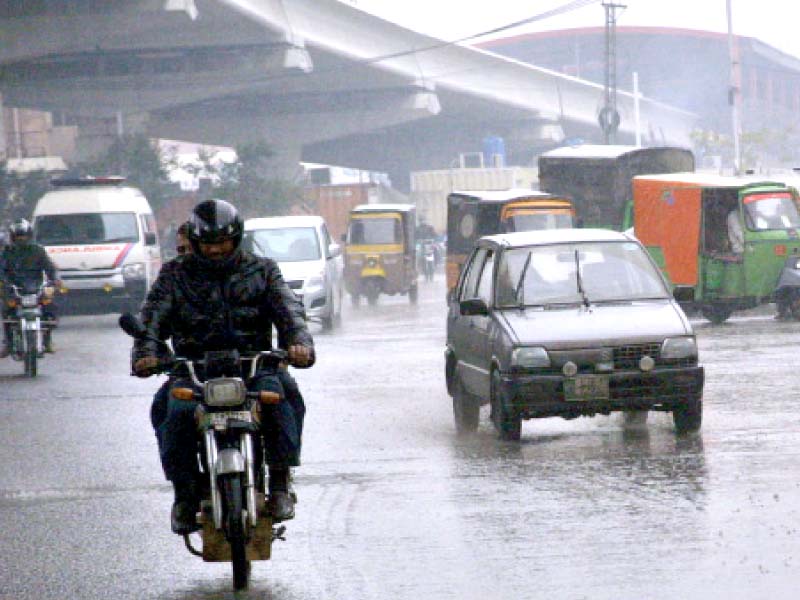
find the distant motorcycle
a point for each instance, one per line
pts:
(428, 259)
(236, 526)
(28, 323)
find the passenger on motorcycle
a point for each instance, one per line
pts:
(158, 409)
(23, 261)
(221, 297)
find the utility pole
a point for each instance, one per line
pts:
(609, 115)
(734, 94)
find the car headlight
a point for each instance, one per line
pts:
(313, 284)
(530, 357)
(133, 271)
(679, 347)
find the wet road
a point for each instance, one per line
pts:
(393, 504)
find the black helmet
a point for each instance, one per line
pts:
(214, 221)
(20, 228)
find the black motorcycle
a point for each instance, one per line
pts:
(236, 525)
(29, 322)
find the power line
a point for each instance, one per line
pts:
(565, 8)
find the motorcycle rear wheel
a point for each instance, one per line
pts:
(31, 353)
(232, 492)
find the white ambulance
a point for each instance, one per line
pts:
(102, 236)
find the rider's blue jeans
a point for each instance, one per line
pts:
(281, 426)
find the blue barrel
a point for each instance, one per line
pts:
(494, 151)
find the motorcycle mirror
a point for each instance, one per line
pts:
(131, 325)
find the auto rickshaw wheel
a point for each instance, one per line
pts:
(716, 313)
(794, 307)
(372, 289)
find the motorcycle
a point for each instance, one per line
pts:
(236, 525)
(28, 323)
(428, 259)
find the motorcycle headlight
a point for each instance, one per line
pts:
(133, 271)
(530, 357)
(30, 300)
(225, 391)
(679, 347)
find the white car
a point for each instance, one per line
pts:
(310, 261)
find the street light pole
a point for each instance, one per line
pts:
(734, 93)
(609, 115)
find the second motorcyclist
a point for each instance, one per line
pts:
(221, 297)
(22, 261)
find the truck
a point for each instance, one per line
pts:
(598, 178)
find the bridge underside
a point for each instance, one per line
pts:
(302, 76)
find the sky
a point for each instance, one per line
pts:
(774, 22)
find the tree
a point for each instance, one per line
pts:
(244, 182)
(763, 147)
(143, 164)
(20, 191)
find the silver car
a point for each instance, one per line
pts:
(571, 322)
(311, 263)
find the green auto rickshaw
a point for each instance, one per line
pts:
(725, 243)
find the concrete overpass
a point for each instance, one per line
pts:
(317, 79)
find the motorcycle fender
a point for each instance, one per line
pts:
(229, 460)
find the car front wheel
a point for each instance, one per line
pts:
(688, 416)
(507, 423)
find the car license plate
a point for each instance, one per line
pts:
(586, 387)
(219, 420)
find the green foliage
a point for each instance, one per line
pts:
(244, 182)
(767, 147)
(141, 162)
(20, 191)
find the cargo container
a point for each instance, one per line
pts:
(333, 202)
(429, 189)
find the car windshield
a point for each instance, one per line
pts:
(532, 221)
(375, 230)
(285, 244)
(609, 271)
(86, 228)
(771, 211)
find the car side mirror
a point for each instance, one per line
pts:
(473, 307)
(149, 238)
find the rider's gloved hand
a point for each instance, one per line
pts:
(301, 356)
(145, 366)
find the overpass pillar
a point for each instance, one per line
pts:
(95, 136)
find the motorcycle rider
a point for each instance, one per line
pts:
(221, 297)
(24, 260)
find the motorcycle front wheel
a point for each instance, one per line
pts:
(234, 525)
(31, 353)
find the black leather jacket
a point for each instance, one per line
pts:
(204, 307)
(20, 263)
